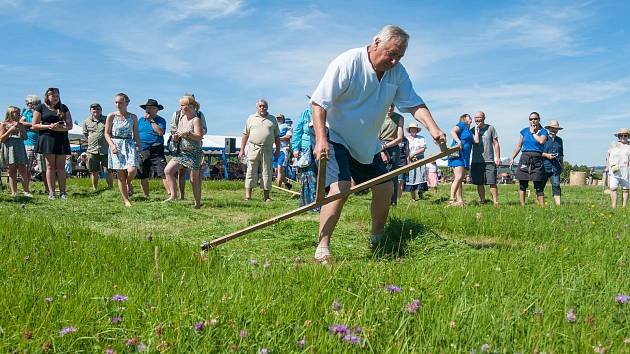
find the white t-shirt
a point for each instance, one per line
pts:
(416, 144)
(356, 101)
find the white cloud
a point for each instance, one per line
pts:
(302, 22)
(209, 9)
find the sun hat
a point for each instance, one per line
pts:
(554, 124)
(624, 131)
(413, 125)
(152, 102)
(95, 105)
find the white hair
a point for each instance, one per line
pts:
(390, 32)
(33, 99)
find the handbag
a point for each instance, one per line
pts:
(172, 146)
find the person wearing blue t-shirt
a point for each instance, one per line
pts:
(281, 162)
(151, 128)
(461, 162)
(32, 135)
(531, 166)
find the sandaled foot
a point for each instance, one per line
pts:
(376, 240)
(324, 260)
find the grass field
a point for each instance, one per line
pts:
(88, 274)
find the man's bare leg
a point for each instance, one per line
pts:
(328, 218)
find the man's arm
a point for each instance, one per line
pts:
(319, 125)
(497, 151)
(423, 115)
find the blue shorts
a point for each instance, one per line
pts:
(281, 160)
(343, 167)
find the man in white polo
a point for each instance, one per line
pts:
(353, 97)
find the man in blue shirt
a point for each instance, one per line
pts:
(151, 128)
(281, 162)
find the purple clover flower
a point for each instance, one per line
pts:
(571, 317)
(198, 327)
(48, 300)
(335, 306)
(242, 333)
(352, 339)
(110, 351)
(116, 319)
(622, 299)
(393, 289)
(338, 329)
(120, 298)
(358, 330)
(301, 343)
(414, 306)
(263, 351)
(67, 330)
(141, 347)
(254, 262)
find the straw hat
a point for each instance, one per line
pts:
(413, 125)
(624, 131)
(554, 124)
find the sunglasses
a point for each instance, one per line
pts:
(534, 119)
(623, 136)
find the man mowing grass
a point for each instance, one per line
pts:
(353, 97)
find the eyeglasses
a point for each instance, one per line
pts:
(623, 136)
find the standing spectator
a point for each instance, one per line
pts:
(618, 167)
(403, 160)
(13, 153)
(94, 131)
(530, 166)
(461, 160)
(486, 157)
(391, 135)
(32, 136)
(432, 176)
(553, 152)
(260, 134)
(182, 174)
(417, 147)
(282, 161)
(121, 133)
(53, 120)
(353, 97)
(302, 145)
(151, 129)
(189, 137)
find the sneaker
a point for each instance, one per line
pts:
(28, 195)
(63, 196)
(376, 240)
(51, 197)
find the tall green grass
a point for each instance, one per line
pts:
(496, 279)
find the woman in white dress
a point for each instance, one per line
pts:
(121, 133)
(618, 167)
(417, 147)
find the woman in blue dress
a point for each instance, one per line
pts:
(460, 162)
(121, 133)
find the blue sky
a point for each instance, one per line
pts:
(568, 60)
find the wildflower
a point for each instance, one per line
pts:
(338, 329)
(626, 340)
(48, 300)
(159, 331)
(352, 339)
(266, 264)
(27, 334)
(357, 330)
(198, 327)
(254, 262)
(452, 324)
(599, 349)
(335, 306)
(119, 298)
(46, 346)
(141, 347)
(27, 258)
(538, 312)
(110, 351)
(67, 330)
(297, 261)
(242, 333)
(485, 348)
(133, 341)
(414, 306)
(212, 322)
(116, 319)
(263, 351)
(570, 317)
(622, 299)
(393, 289)
(301, 343)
